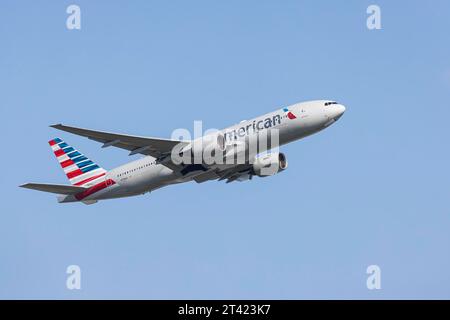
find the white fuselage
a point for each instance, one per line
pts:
(145, 174)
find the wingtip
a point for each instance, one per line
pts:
(55, 125)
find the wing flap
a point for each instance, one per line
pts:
(54, 188)
(208, 175)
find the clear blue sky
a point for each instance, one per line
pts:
(372, 189)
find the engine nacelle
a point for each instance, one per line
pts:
(269, 164)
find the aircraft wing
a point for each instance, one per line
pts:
(155, 147)
(159, 149)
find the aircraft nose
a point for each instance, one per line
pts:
(337, 111)
(340, 109)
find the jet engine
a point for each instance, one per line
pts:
(269, 164)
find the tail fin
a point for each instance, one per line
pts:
(78, 168)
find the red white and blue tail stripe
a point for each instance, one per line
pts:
(79, 169)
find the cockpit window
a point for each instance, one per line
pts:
(330, 102)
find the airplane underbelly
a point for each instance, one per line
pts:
(146, 180)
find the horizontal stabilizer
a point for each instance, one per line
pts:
(54, 188)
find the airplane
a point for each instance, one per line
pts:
(159, 168)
